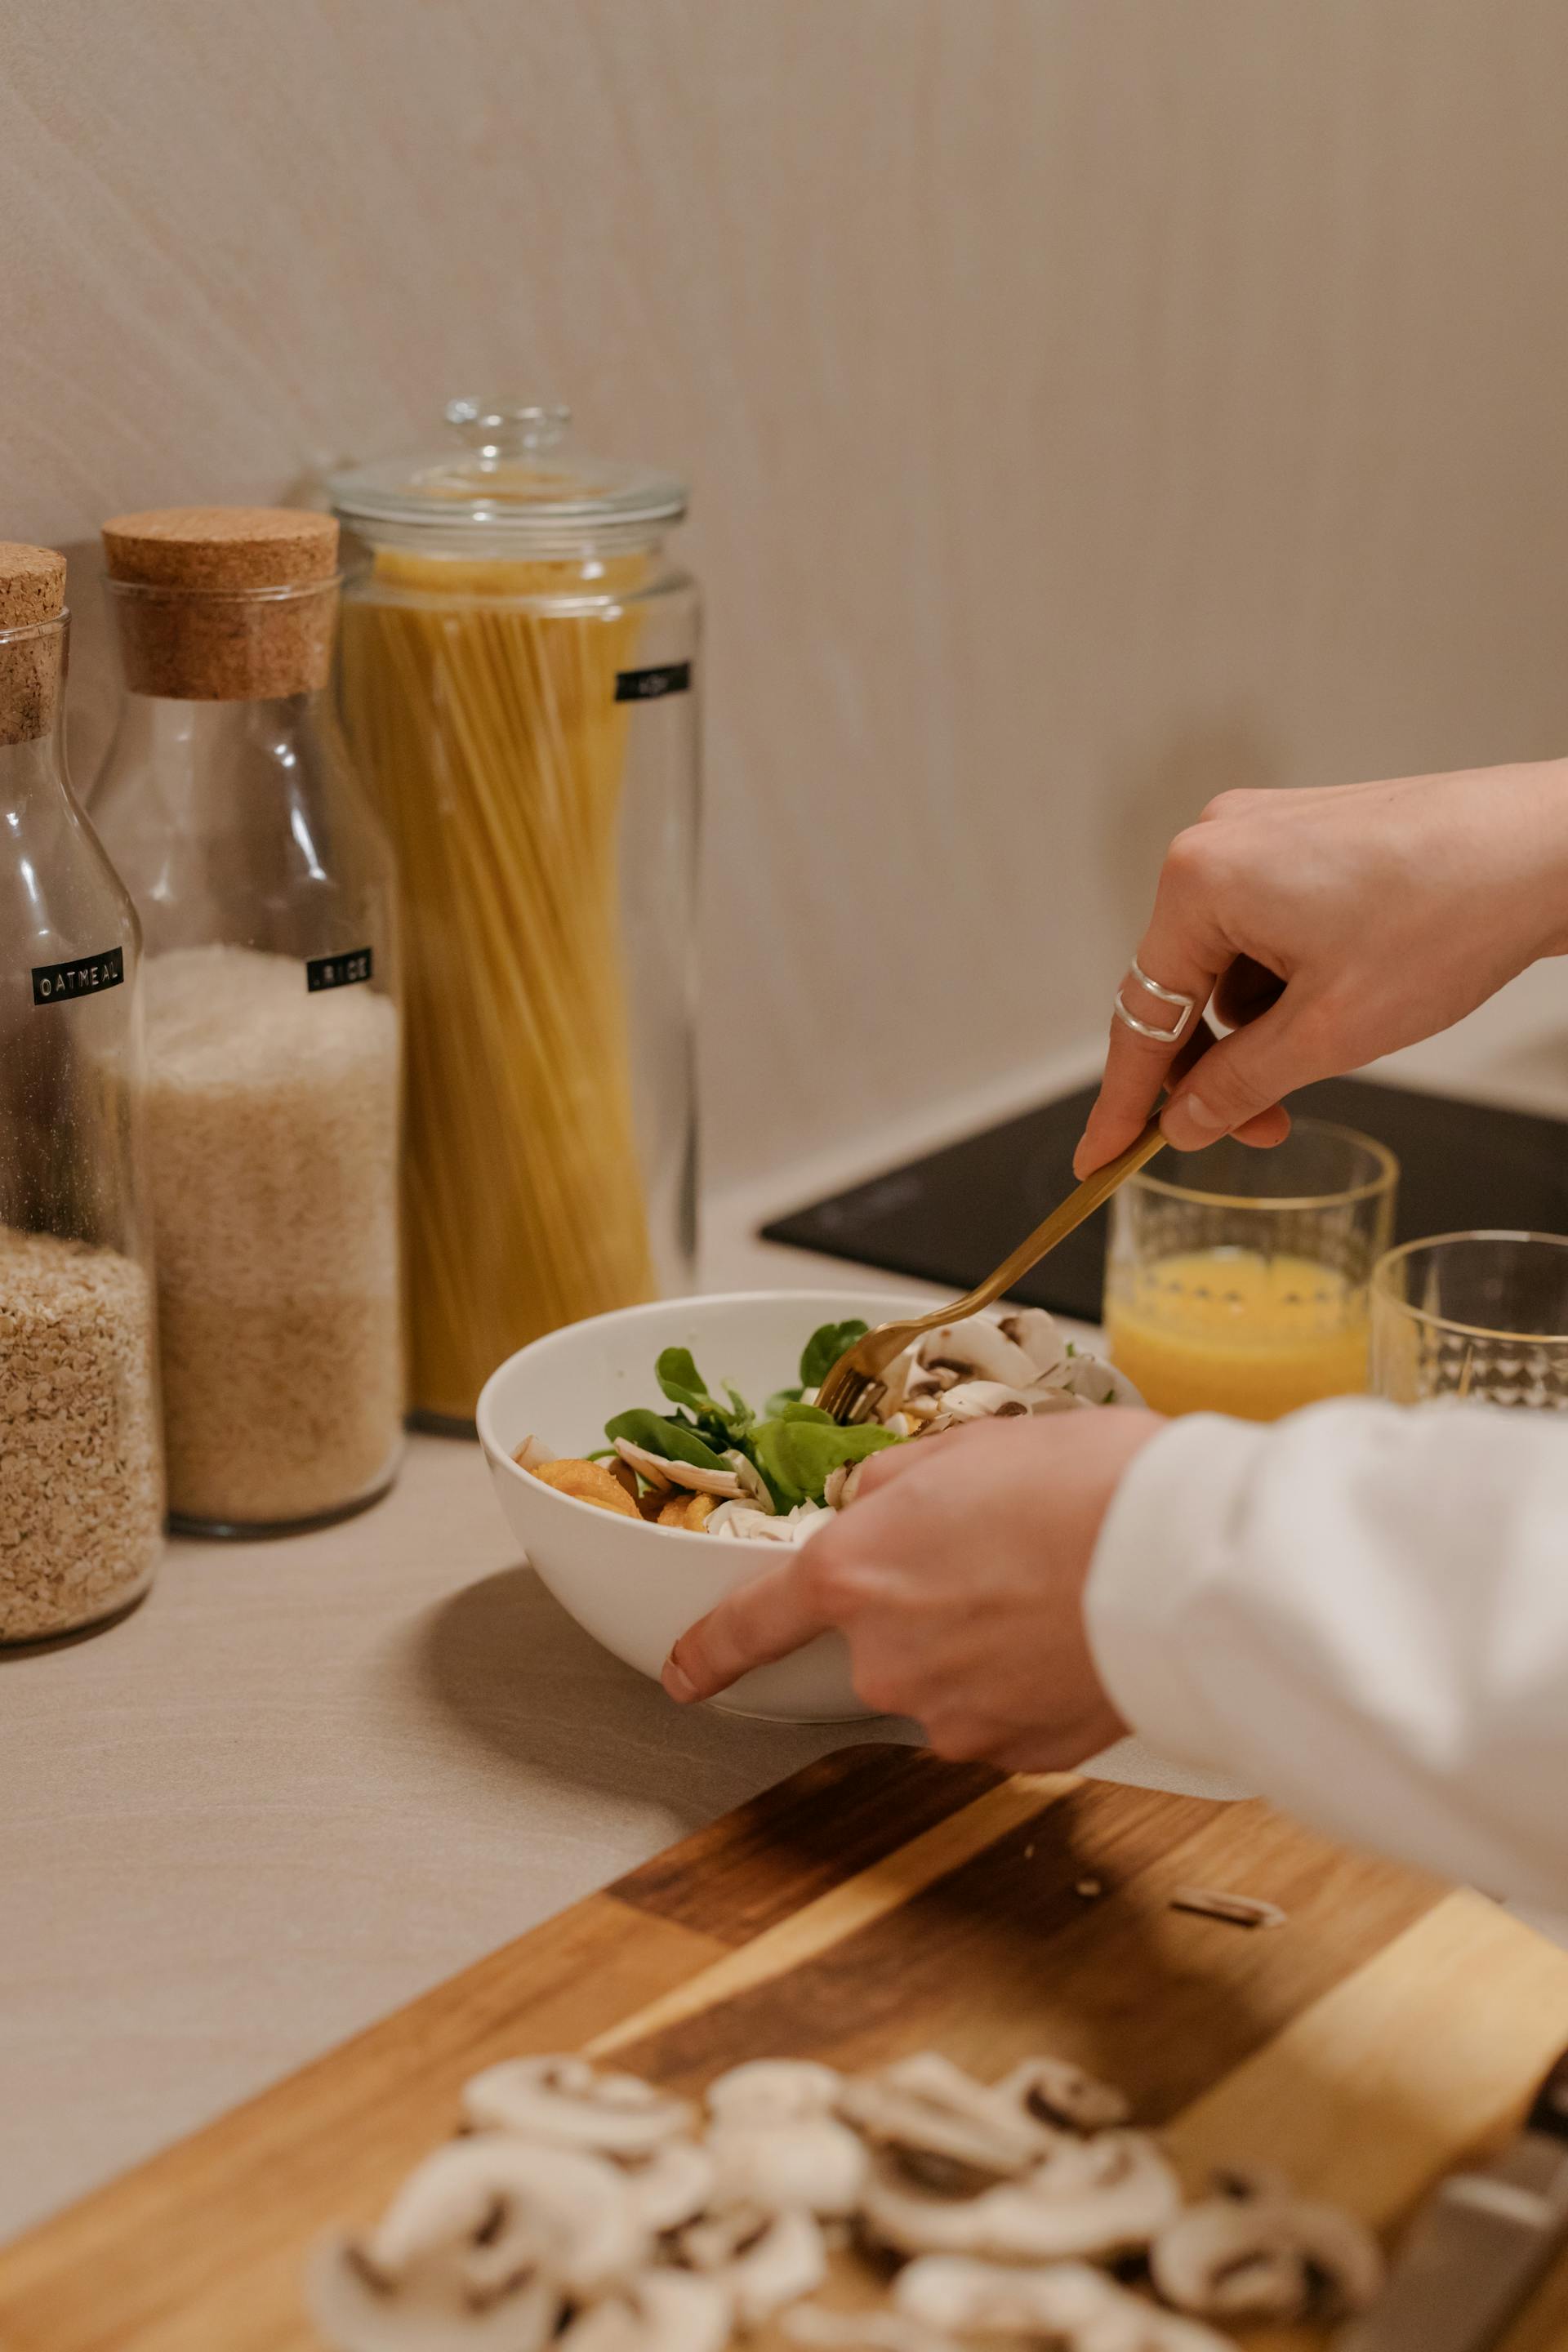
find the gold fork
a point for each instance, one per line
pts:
(851, 1388)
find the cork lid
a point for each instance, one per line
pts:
(222, 550)
(32, 585)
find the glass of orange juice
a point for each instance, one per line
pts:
(1236, 1280)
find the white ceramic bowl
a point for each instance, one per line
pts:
(636, 1586)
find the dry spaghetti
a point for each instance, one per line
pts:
(482, 699)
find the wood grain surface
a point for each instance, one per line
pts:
(880, 1901)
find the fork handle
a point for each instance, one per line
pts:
(1081, 1202)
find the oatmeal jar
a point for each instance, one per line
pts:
(264, 883)
(81, 1494)
(519, 675)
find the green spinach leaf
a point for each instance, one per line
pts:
(825, 1346)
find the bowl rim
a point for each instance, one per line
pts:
(496, 1455)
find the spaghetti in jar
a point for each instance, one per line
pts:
(517, 677)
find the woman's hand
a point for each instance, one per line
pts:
(1337, 925)
(957, 1578)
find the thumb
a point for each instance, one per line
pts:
(1246, 1074)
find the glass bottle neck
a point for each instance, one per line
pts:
(33, 773)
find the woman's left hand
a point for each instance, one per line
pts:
(957, 1578)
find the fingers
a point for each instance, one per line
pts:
(1180, 951)
(751, 1627)
(1238, 1082)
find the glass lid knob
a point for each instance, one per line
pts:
(498, 429)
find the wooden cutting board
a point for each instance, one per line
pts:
(880, 1901)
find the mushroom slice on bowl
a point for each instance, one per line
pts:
(1054, 2090)
(976, 1350)
(1039, 1337)
(987, 1401)
(1270, 2256)
(1091, 2199)
(569, 2104)
(662, 1472)
(763, 2261)
(659, 2311)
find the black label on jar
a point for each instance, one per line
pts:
(83, 976)
(648, 685)
(339, 970)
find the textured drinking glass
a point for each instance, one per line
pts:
(1236, 1280)
(1479, 1315)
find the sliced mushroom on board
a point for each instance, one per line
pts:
(1271, 2256)
(571, 2104)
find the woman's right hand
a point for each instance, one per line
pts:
(1336, 925)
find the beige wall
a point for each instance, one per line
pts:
(1090, 404)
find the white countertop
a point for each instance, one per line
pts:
(307, 1780)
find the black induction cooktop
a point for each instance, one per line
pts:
(952, 1216)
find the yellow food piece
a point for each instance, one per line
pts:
(689, 1511)
(588, 1482)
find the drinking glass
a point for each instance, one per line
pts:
(1236, 1280)
(1478, 1314)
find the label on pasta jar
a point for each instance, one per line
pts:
(648, 685)
(83, 976)
(338, 971)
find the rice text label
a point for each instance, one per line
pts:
(339, 970)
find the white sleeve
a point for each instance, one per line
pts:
(1362, 1613)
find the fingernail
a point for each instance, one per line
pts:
(1189, 1123)
(678, 1682)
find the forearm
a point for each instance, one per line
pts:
(1364, 1614)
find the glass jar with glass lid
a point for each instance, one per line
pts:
(517, 680)
(81, 1489)
(264, 882)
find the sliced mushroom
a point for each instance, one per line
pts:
(952, 2131)
(744, 1519)
(661, 2311)
(861, 2331)
(987, 1401)
(754, 1486)
(964, 2297)
(1091, 2198)
(690, 1474)
(1265, 2257)
(774, 2090)
(1069, 2306)
(810, 2164)
(1097, 1382)
(1037, 1333)
(568, 2103)
(431, 2308)
(492, 2208)
(763, 2261)
(976, 1348)
(1054, 2090)
(671, 2185)
(532, 1453)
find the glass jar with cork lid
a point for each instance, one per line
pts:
(519, 678)
(81, 1494)
(265, 887)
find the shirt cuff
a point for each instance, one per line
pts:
(1167, 1532)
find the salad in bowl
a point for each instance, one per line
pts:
(648, 1461)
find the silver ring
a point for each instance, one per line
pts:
(1173, 1037)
